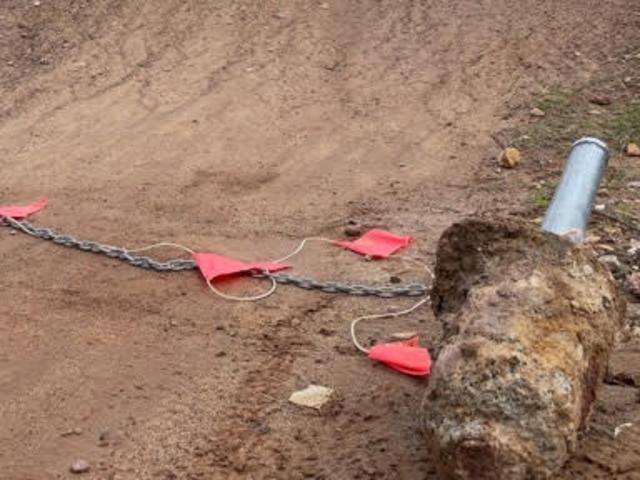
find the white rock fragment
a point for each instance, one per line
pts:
(79, 466)
(619, 429)
(634, 246)
(400, 336)
(314, 396)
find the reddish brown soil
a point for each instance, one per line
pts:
(241, 127)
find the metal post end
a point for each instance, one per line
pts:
(593, 141)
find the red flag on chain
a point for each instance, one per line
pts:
(406, 357)
(213, 266)
(377, 243)
(22, 211)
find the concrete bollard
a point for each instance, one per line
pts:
(529, 322)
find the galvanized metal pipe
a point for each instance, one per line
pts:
(570, 208)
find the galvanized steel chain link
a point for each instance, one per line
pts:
(405, 290)
(95, 247)
(143, 261)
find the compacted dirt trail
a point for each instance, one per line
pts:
(240, 128)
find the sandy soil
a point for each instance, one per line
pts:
(241, 127)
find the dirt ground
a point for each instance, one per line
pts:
(241, 127)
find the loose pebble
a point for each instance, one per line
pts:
(314, 396)
(632, 150)
(611, 262)
(510, 157)
(79, 466)
(602, 100)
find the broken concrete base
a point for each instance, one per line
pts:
(529, 321)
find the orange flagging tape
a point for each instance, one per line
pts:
(377, 243)
(214, 266)
(19, 212)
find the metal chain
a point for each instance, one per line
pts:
(141, 261)
(405, 290)
(176, 265)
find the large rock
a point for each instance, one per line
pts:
(529, 322)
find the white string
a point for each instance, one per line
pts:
(162, 244)
(260, 296)
(299, 248)
(274, 284)
(417, 262)
(217, 292)
(190, 251)
(355, 322)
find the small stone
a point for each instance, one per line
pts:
(104, 439)
(239, 460)
(600, 207)
(634, 246)
(620, 428)
(73, 431)
(632, 150)
(510, 157)
(109, 437)
(633, 281)
(627, 79)
(536, 112)
(633, 185)
(591, 239)
(395, 279)
(595, 111)
(402, 336)
(353, 230)
(79, 466)
(295, 322)
(611, 262)
(327, 332)
(605, 248)
(324, 6)
(600, 100)
(573, 235)
(314, 396)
